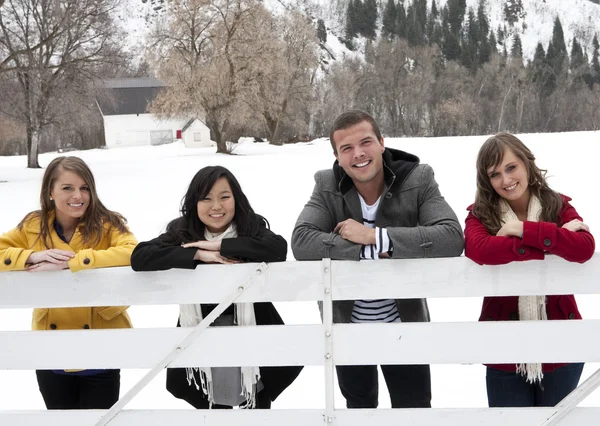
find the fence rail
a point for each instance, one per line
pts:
(327, 344)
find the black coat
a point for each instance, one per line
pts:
(159, 255)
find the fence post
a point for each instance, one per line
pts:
(164, 363)
(328, 330)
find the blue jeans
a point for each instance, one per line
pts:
(409, 385)
(509, 389)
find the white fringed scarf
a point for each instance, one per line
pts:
(191, 315)
(531, 308)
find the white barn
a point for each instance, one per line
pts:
(127, 122)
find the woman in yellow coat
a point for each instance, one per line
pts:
(72, 230)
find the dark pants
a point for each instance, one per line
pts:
(509, 389)
(409, 385)
(72, 392)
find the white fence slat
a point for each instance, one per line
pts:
(138, 348)
(165, 417)
(283, 281)
(469, 342)
(299, 281)
(409, 343)
(461, 277)
(294, 417)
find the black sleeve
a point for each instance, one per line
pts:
(264, 247)
(157, 255)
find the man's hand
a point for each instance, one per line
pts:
(208, 256)
(47, 266)
(356, 232)
(205, 245)
(576, 225)
(512, 228)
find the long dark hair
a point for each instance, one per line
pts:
(487, 200)
(95, 215)
(189, 227)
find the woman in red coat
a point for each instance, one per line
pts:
(516, 217)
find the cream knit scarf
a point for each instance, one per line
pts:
(531, 308)
(191, 315)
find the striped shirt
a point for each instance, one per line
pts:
(377, 310)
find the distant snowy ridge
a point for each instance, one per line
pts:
(579, 18)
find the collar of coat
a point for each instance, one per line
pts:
(33, 223)
(397, 165)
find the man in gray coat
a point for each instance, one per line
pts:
(376, 203)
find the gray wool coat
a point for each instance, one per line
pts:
(419, 222)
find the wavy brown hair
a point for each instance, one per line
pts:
(487, 207)
(95, 216)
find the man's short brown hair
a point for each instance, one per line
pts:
(352, 118)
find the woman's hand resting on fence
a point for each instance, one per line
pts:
(208, 252)
(47, 266)
(51, 256)
(576, 225)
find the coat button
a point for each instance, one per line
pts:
(52, 326)
(513, 316)
(86, 261)
(521, 250)
(86, 327)
(7, 262)
(547, 242)
(388, 195)
(571, 315)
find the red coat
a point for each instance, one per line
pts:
(538, 238)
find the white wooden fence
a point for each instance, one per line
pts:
(328, 344)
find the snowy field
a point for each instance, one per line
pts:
(146, 184)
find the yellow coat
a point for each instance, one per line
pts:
(114, 249)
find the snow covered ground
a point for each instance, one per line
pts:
(146, 185)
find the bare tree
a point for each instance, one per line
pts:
(287, 77)
(208, 53)
(50, 69)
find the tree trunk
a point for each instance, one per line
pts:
(33, 140)
(273, 127)
(502, 108)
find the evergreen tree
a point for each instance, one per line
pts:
(432, 22)
(493, 44)
(415, 33)
(421, 14)
(513, 11)
(388, 28)
(436, 36)
(434, 10)
(369, 27)
(470, 43)
(577, 59)
(401, 21)
(450, 44)
(351, 25)
(516, 51)
(321, 31)
(596, 60)
(482, 21)
(360, 20)
(558, 44)
(483, 27)
(501, 35)
(541, 73)
(456, 15)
